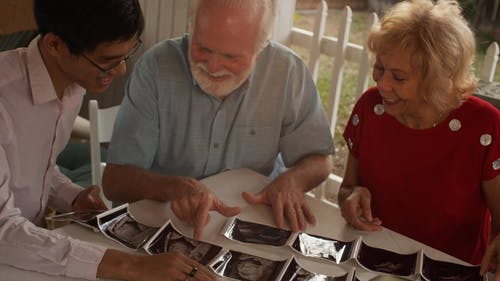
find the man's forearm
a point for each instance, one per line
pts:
(310, 171)
(126, 183)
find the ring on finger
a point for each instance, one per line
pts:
(192, 273)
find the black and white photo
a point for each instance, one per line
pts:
(247, 267)
(250, 232)
(295, 272)
(441, 270)
(382, 260)
(128, 231)
(170, 240)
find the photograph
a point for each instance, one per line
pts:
(441, 270)
(295, 272)
(128, 231)
(382, 260)
(84, 216)
(386, 278)
(322, 247)
(170, 240)
(247, 267)
(249, 232)
(87, 218)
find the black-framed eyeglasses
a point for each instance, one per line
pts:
(115, 65)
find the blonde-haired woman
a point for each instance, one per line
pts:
(424, 153)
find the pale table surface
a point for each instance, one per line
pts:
(228, 187)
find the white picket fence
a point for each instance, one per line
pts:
(342, 51)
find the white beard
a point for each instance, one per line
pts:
(219, 89)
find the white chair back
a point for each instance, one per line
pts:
(101, 129)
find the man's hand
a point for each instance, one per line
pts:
(164, 267)
(491, 258)
(356, 210)
(89, 200)
(287, 201)
(193, 202)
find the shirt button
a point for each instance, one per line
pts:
(496, 164)
(379, 109)
(355, 119)
(485, 139)
(455, 124)
(216, 145)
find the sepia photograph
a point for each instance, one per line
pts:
(128, 231)
(247, 267)
(322, 247)
(170, 240)
(441, 270)
(295, 272)
(382, 260)
(86, 218)
(249, 232)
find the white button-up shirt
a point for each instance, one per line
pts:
(35, 126)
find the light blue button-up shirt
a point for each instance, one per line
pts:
(167, 124)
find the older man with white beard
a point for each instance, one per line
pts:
(222, 97)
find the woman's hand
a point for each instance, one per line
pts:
(491, 258)
(356, 210)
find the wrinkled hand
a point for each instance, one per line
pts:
(491, 258)
(169, 266)
(192, 203)
(356, 210)
(89, 200)
(287, 201)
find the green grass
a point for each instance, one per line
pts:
(359, 27)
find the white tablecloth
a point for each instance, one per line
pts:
(229, 187)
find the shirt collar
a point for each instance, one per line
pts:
(42, 88)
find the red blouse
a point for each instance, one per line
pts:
(426, 184)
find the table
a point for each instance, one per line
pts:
(229, 186)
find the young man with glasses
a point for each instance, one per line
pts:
(108, 69)
(82, 46)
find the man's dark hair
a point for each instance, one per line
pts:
(84, 24)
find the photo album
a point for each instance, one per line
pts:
(119, 225)
(404, 266)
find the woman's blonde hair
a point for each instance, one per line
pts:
(260, 8)
(439, 43)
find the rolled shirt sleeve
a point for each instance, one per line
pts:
(305, 129)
